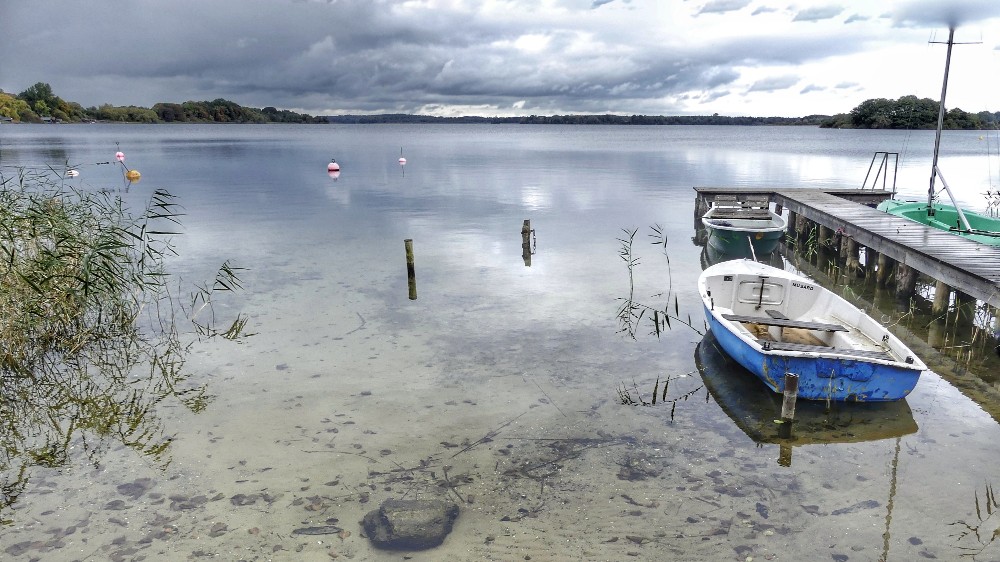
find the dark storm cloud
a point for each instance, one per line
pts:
(330, 56)
(954, 13)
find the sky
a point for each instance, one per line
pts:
(505, 57)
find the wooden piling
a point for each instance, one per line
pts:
(942, 298)
(790, 395)
(411, 275)
(884, 271)
(824, 236)
(906, 281)
(526, 242)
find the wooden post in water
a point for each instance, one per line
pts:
(526, 242)
(790, 395)
(824, 236)
(411, 275)
(965, 309)
(884, 271)
(942, 297)
(778, 208)
(790, 233)
(851, 252)
(906, 281)
(801, 228)
(785, 454)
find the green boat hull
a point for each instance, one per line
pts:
(985, 229)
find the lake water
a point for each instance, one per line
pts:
(501, 386)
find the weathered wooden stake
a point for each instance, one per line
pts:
(790, 395)
(526, 242)
(411, 275)
(785, 454)
(942, 298)
(801, 227)
(883, 273)
(824, 236)
(906, 281)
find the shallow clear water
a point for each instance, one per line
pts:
(500, 386)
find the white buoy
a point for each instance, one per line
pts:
(72, 173)
(333, 166)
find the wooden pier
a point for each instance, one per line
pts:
(955, 262)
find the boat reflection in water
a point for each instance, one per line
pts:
(756, 409)
(711, 256)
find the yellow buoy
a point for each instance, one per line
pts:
(133, 175)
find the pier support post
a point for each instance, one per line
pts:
(824, 236)
(778, 208)
(700, 207)
(801, 228)
(942, 297)
(849, 254)
(965, 310)
(884, 271)
(906, 281)
(790, 231)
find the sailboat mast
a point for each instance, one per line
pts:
(940, 122)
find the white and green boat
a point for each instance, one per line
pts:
(943, 216)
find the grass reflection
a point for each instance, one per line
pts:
(975, 538)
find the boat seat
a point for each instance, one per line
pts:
(739, 213)
(785, 323)
(784, 346)
(776, 314)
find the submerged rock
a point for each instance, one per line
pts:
(410, 524)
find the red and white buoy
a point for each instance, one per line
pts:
(333, 166)
(402, 161)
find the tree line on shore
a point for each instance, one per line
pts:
(39, 104)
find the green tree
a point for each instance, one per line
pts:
(15, 108)
(39, 92)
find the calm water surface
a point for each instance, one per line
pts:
(500, 387)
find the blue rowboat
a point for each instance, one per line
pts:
(773, 322)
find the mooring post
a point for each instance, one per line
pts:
(784, 454)
(411, 275)
(942, 298)
(790, 395)
(526, 242)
